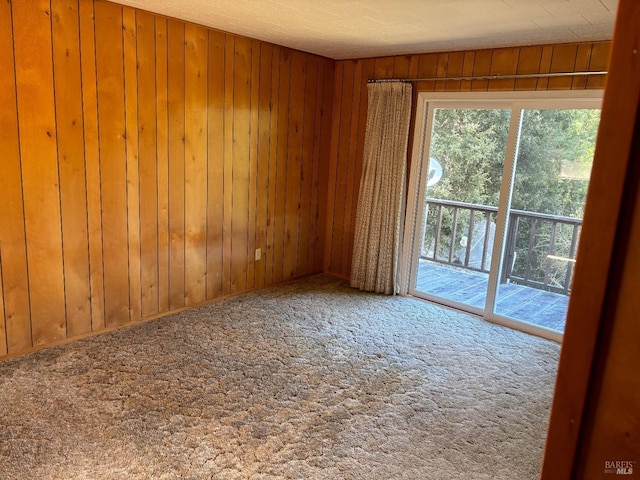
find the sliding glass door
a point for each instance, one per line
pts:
(497, 192)
(466, 159)
(552, 170)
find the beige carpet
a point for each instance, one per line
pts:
(310, 380)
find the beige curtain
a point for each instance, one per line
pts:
(379, 217)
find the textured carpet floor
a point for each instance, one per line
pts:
(310, 380)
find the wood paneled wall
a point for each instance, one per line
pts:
(142, 162)
(350, 110)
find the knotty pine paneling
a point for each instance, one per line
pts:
(39, 150)
(144, 159)
(350, 110)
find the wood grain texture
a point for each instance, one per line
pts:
(322, 204)
(227, 178)
(294, 164)
(282, 156)
(306, 172)
(113, 174)
(264, 148)
(274, 106)
(162, 153)
(241, 126)
(315, 165)
(40, 169)
(15, 284)
(176, 110)
(253, 163)
(147, 161)
(132, 171)
(92, 163)
(144, 161)
(195, 166)
(3, 318)
(352, 178)
(333, 165)
(215, 189)
(343, 167)
(350, 104)
(455, 65)
(71, 164)
(594, 416)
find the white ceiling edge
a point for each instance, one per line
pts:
(348, 29)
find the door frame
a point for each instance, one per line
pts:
(517, 102)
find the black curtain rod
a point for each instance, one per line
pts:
(489, 77)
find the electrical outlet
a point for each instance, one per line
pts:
(258, 254)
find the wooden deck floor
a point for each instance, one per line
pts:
(516, 301)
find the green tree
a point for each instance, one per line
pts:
(554, 156)
(470, 146)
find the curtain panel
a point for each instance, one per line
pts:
(380, 212)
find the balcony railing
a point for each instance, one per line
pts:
(540, 249)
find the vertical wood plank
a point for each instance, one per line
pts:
(583, 57)
(195, 177)
(264, 127)
(563, 60)
(454, 69)
(427, 68)
(599, 61)
(467, 70)
(504, 62)
(281, 165)
(297, 108)
(3, 318)
(401, 66)
(162, 153)
(111, 127)
(315, 166)
(148, 161)
(384, 67)
(215, 164)
(176, 110)
(352, 178)
(240, 181)
(333, 164)
(528, 63)
(340, 240)
(229, 62)
(92, 162)
(482, 66)
(307, 210)
(15, 282)
(545, 66)
(253, 163)
(414, 63)
(132, 142)
(441, 71)
(326, 145)
(274, 107)
(40, 174)
(73, 194)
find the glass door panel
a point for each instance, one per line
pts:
(552, 169)
(466, 155)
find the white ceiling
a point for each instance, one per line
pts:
(343, 29)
